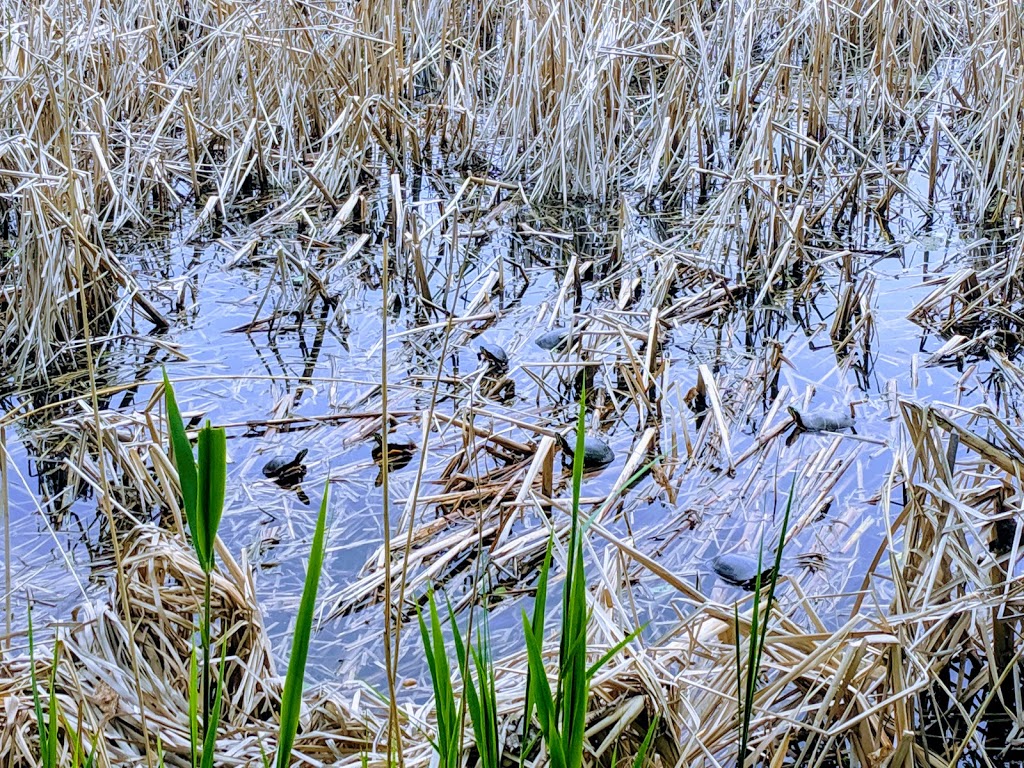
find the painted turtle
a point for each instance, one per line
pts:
(596, 452)
(495, 356)
(553, 341)
(401, 446)
(286, 471)
(741, 570)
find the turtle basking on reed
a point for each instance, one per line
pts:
(494, 355)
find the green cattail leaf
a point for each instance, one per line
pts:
(184, 461)
(212, 476)
(540, 690)
(90, 759)
(210, 741)
(50, 755)
(36, 698)
(641, 754)
(291, 700)
(537, 626)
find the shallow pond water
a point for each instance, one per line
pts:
(319, 362)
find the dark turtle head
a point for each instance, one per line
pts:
(397, 443)
(798, 419)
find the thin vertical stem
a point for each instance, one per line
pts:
(390, 660)
(5, 511)
(205, 632)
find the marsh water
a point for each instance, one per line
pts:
(252, 341)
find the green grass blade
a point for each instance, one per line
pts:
(537, 626)
(641, 754)
(480, 691)
(449, 727)
(753, 656)
(572, 596)
(547, 717)
(210, 741)
(90, 759)
(449, 730)
(193, 706)
(292, 697)
(540, 601)
(184, 461)
(576, 692)
(740, 698)
(482, 659)
(758, 632)
(778, 563)
(540, 689)
(212, 479)
(470, 694)
(53, 715)
(36, 698)
(596, 666)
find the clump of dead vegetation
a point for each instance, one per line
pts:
(783, 118)
(940, 650)
(704, 171)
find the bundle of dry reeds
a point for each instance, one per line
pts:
(758, 141)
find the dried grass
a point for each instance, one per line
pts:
(778, 129)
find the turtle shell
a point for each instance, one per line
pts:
(286, 471)
(493, 354)
(553, 340)
(741, 570)
(596, 452)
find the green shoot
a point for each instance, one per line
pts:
(480, 691)
(202, 489)
(562, 715)
(210, 742)
(193, 706)
(449, 720)
(46, 727)
(291, 701)
(641, 755)
(747, 688)
(537, 626)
